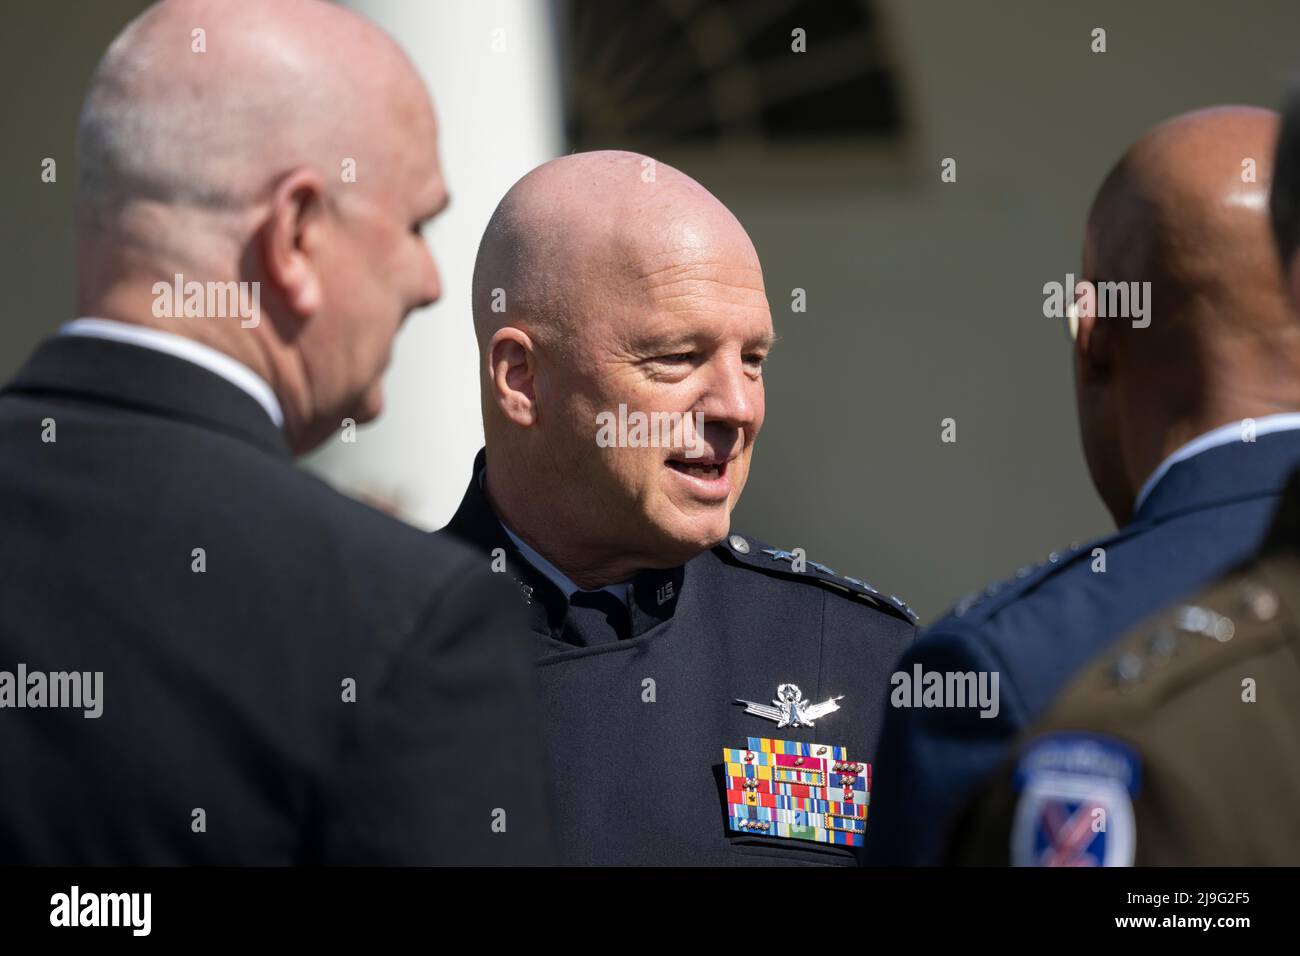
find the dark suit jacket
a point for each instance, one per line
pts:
(1206, 515)
(635, 728)
(223, 690)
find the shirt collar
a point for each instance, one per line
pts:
(553, 574)
(1223, 435)
(232, 370)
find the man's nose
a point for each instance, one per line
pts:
(733, 396)
(430, 286)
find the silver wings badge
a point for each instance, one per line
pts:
(791, 709)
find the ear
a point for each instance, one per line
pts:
(512, 371)
(291, 239)
(1093, 340)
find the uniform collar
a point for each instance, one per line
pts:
(653, 593)
(1221, 470)
(147, 380)
(557, 577)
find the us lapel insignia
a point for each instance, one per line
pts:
(789, 709)
(525, 589)
(798, 791)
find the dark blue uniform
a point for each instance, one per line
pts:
(1207, 514)
(636, 727)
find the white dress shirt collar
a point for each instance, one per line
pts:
(1223, 435)
(218, 363)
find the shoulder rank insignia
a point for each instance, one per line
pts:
(798, 791)
(790, 709)
(754, 554)
(1075, 806)
(1057, 559)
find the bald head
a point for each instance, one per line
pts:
(203, 102)
(285, 144)
(608, 284)
(590, 230)
(1185, 210)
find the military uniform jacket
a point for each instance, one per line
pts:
(636, 728)
(1206, 515)
(1190, 727)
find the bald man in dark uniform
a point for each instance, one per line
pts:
(708, 699)
(1190, 429)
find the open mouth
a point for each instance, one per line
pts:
(702, 468)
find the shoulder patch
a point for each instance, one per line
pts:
(1076, 802)
(795, 564)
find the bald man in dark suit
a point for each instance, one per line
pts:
(212, 657)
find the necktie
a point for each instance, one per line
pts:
(597, 617)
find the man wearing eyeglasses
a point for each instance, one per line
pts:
(1190, 427)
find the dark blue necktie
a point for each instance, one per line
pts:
(596, 617)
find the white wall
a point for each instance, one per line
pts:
(490, 68)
